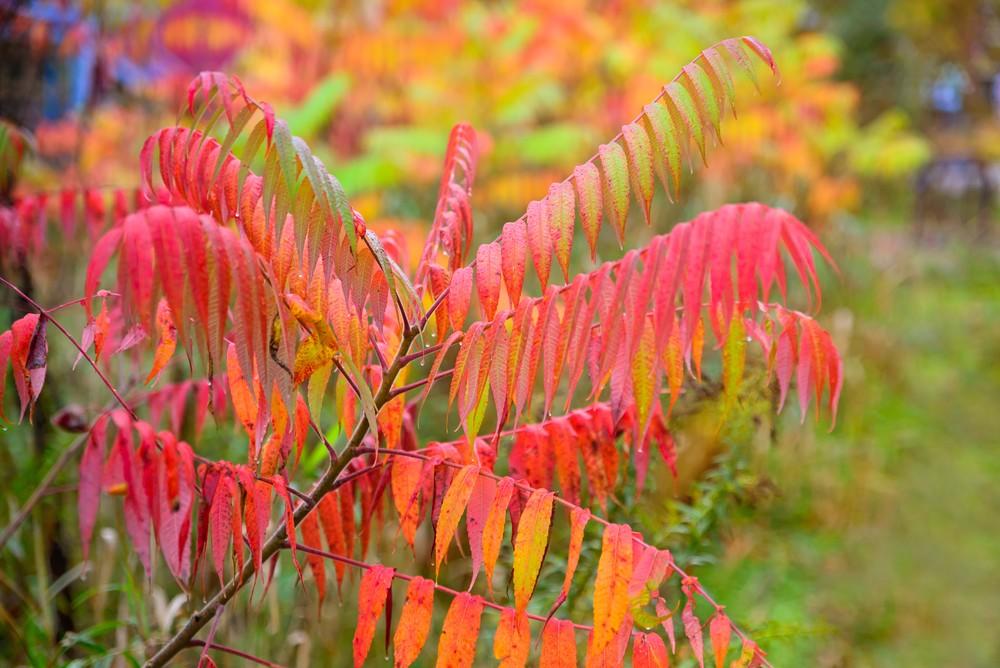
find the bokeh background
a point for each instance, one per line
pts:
(874, 544)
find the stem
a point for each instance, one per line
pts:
(403, 389)
(234, 652)
(430, 350)
(406, 577)
(45, 314)
(185, 635)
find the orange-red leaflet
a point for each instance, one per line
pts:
(493, 529)
(375, 585)
(457, 646)
(414, 622)
(614, 570)
(512, 642)
(455, 501)
(558, 645)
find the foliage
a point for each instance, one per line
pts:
(255, 265)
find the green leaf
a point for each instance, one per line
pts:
(614, 168)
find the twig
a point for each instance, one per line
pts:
(234, 652)
(430, 350)
(42, 313)
(403, 389)
(406, 577)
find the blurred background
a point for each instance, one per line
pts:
(874, 544)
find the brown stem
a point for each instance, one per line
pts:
(185, 635)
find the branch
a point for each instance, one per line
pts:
(523, 486)
(430, 350)
(403, 389)
(234, 652)
(185, 635)
(43, 313)
(406, 577)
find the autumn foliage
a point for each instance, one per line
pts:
(247, 267)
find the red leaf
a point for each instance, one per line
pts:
(577, 523)
(719, 631)
(375, 585)
(220, 523)
(692, 625)
(89, 486)
(648, 651)
(459, 296)
(330, 520)
(539, 240)
(513, 241)
(488, 262)
(476, 515)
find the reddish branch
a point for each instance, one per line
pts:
(406, 577)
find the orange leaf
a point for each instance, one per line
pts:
(493, 528)
(457, 646)
(455, 501)
(719, 631)
(558, 645)
(330, 520)
(530, 544)
(512, 642)
(414, 622)
(168, 339)
(310, 538)
(406, 494)
(614, 570)
(375, 586)
(244, 402)
(578, 522)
